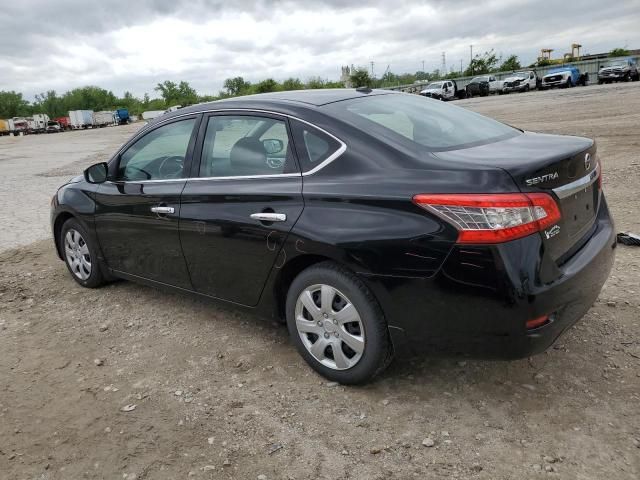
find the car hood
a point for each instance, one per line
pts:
(559, 72)
(429, 90)
(513, 79)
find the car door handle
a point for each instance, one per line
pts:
(269, 217)
(163, 210)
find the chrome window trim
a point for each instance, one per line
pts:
(335, 155)
(574, 187)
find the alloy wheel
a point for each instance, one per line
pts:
(330, 327)
(77, 254)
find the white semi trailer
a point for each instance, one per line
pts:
(102, 119)
(81, 119)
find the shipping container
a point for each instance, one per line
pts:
(81, 118)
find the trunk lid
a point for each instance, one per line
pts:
(562, 166)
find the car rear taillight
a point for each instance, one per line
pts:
(537, 322)
(493, 218)
(599, 174)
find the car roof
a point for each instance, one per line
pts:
(279, 101)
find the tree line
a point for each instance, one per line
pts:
(13, 104)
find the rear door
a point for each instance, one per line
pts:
(243, 199)
(137, 210)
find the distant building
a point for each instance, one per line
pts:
(345, 78)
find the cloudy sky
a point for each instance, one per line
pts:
(134, 44)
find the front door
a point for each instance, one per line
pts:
(237, 213)
(138, 209)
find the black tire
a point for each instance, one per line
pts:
(95, 278)
(526, 87)
(378, 351)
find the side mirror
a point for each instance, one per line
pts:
(96, 173)
(273, 145)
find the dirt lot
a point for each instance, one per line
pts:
(220, 394)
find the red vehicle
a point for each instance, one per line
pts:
(64, 122)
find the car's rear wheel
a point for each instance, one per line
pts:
(80, 255)
(337, 325)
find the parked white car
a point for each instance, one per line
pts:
(443, 90)
(520, 82)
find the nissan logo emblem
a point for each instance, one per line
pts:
(587, 161)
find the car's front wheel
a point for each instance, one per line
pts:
(337, 325)
(80, 255)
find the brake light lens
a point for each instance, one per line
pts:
(537, 322)
(493, 218)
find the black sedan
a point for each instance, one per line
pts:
(374, 223)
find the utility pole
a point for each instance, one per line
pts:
(423, 65)
(471, 58)
(460, 67)
(372, 75)
(444, 64)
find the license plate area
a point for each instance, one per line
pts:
(579, 210)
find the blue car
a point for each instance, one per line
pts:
(563, 77)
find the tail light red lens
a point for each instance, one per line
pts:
(493, 218)
(537, 322)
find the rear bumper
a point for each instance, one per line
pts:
(482, 297)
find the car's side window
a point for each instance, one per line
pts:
(313, 145)
(246, 145)
(158, 155)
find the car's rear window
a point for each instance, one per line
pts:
(423, 121)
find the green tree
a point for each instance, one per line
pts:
(187, 95)
(619, 52)
(360, 78)
(315, 82)
(510, 64)
(49, 103)
(481, 64)
(236, 86)
(13, 105)
(292, 84)
(267, 85)
(88, 98)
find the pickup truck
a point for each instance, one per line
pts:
(443, 90)
(619, 71)
(484, 85)
(520, 82)
(564, 77)
(53, 127)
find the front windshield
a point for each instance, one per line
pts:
(479, 79)
(422, 121)
(617, 65)
(521, 74)
(435, 85)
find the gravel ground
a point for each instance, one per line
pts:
(130, 382)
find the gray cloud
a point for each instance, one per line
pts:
(134, 44)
